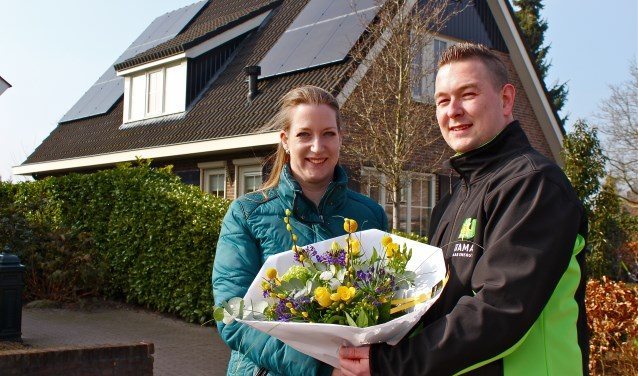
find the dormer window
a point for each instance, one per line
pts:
(155, 92)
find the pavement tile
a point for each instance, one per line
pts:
(181, 349)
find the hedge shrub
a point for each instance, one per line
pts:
(136, 233)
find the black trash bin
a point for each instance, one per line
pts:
(11, 284)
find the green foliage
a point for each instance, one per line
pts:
(610, 228)
(132, 232)
(412, 236)
(584, 161)
(533, 28)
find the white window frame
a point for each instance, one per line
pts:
(425, 93)
(211, 168)
(164, 108)
(406, 202)
(245, 166)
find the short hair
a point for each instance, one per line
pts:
(466, 51)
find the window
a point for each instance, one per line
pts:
(215, 182)
(248, 175)
(156, 92)
(249, 179)
(213, 177)
(425, 66)
(417, 199)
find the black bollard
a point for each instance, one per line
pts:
(11, 284)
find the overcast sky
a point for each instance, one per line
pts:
(53, 51)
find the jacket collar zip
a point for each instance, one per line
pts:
(478, 163)
(302, 207)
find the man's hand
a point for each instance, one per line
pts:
(354, 361)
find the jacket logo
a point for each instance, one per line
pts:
(468, 230)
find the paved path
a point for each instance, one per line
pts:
(181, 349)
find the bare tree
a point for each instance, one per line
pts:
(619, 112)
(390, 123)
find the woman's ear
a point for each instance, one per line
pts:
(283, 136)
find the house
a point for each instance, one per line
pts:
(188, 92)
(4, 85)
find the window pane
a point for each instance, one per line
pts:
(175, 93)
(155, 93)
(421, 206)
(252, 181)
(216, 184)
(138, 85)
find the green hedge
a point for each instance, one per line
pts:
(136, 233)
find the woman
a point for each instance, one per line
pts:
(307, 179)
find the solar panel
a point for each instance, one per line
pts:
(109, 87)
(322, 33)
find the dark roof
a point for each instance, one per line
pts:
(216, 18)
(223, 111)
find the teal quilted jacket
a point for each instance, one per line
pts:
(252, 230)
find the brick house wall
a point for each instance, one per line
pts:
(523, 111)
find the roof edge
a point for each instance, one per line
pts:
(528, 74)
(164, 151)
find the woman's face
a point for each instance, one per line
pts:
(313, 141)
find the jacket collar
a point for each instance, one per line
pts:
(479, 162)
(304, 209)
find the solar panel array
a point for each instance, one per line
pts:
(109, 87)
(323, 33)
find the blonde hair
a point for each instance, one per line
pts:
(467, 51)
(281, 121)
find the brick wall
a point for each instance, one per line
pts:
(523, 111)
(100, 360)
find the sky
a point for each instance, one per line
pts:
(51, 52)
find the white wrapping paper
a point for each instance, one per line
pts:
(322, 341)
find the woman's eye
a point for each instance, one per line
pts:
(330, 133)
(302, 134)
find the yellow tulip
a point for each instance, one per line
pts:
(335, 246)
(322, 295)
(334, 297)
(355, 246)
(271, 273)
(350, 225)
(386, 239)
(390, 249)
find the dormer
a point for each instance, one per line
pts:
(170, 78)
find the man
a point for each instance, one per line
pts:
(512, 231)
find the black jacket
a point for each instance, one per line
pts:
(514, 303)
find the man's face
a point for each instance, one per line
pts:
(469, 109)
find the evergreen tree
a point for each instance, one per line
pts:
(605, 231)
(533, 28)
(584, 162)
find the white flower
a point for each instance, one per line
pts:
(326, 276)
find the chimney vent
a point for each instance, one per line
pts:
(252, 71)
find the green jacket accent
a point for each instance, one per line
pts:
(252, 230)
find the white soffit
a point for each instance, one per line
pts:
(217, 145)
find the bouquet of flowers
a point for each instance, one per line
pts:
(341, 291)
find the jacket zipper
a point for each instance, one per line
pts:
(467, 194)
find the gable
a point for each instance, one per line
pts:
(218, 113)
